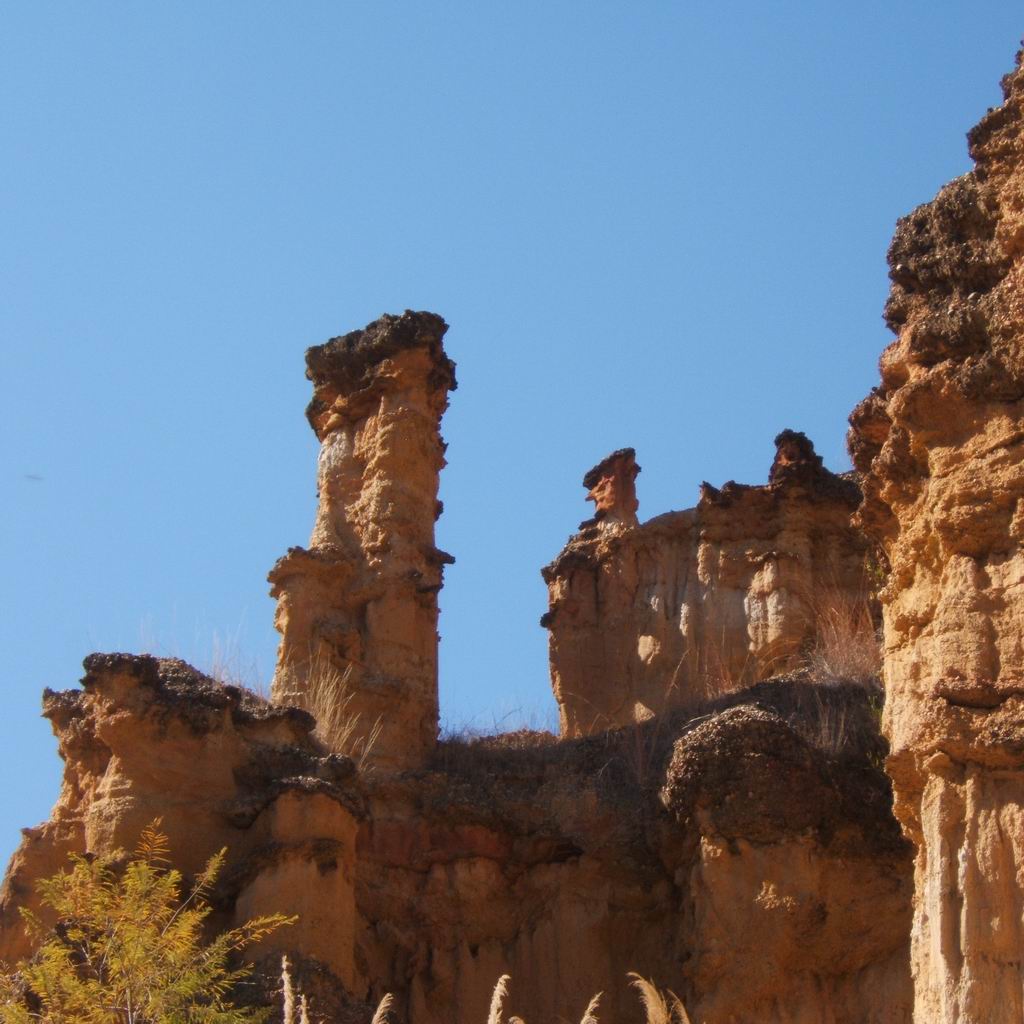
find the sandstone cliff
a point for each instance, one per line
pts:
(645, 617)
(742, 852)
(739, 849)
(941, 445)
(147, 738)
(357, 610)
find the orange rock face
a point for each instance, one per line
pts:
(646, 617)
(941, 445)
(357, 610)
(739, 854)
(740, 850)
(151, 738)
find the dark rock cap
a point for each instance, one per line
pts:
(802, 443)
(347, 361)
(604, 466)
(797, 463)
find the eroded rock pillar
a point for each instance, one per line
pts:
(357, 610)
(941, 444)
(691, 604)
(611, 486)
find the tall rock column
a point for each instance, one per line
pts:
(357, 610)
(941, 447)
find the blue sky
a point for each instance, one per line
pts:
(658, 224)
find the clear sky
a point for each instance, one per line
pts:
(658, 223)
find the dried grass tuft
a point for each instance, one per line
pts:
(590, 1013)
(847, 646)
(498, 999)
(329, 696)
(721, 675)
(658, 1008)
(287, 993)
(288, 998)
(383, 1009)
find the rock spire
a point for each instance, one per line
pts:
(357, 610)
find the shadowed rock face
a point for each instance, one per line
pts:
(357, 610)
(940, 444)
(742, 852)
(643, 617)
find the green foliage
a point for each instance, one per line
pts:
(127, 949)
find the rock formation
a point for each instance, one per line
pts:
(941, 445)
(611, 486)
(645, 617)
(147, 738)
(734, 842)
(742, 852)
(357, 610)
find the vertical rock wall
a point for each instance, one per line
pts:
(941, 444)
(645, 617)
(357, 610)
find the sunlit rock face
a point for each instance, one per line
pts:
(645, 617)
(744, 855)
(357, 609)
(147, 739)
(941, 445)
(739, 850)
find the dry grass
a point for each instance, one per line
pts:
(830, 726)
(719, 675)
(329, 698)
(383, 1012)
(590, 1013)
(288, 993)
(659, 1007)
(231, 668)
(498, 999)
(639, 748)
(847, 646)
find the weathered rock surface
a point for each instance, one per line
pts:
(742, 852)
(357, 610)
(941, 445)
(644, 617)
(148, 738)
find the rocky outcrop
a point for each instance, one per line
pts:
(357, 610)
(644, 617)
(941, 445)
(799, 879)
(741, 852)
(147, 739)
(611, 486)
(739, 849)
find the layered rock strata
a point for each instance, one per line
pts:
(741, 852)
(941, 445)
(644, 617)
(357, 610)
